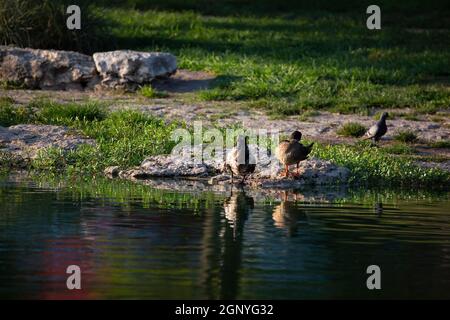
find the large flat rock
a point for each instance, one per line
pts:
(267, 173)
(125, 68)
(47, 69)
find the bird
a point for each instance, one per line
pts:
(240, 161)
(377, 130)
(292, 151)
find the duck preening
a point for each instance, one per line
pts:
(240, 161)
(377, 130)
(291, 151)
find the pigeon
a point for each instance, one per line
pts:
(292, 151)
(377, 130)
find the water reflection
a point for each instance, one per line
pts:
(136, 242)
(222, 249)
(288, 216)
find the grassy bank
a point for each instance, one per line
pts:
(287, 62)
(125, 138)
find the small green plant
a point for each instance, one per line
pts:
(352, 129)
(64, 114)
(6, 100)
(411, 117)
(11, 115)
(406, 136)
(445, 144)
(150, 92)
(399, 148)
(308, 114)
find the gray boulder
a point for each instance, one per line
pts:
(47, 69)
(127, 69)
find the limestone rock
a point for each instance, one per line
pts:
(267, 173)
(112, 172)
(47, 69)
(125, 68)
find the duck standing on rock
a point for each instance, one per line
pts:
(292, 151)
(377, 130)
(240, 161)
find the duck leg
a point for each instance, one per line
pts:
(286, 171)
(297, 173)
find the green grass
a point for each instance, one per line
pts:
(377, 167)
(406, 136)
(125, 138)
(445, 144)
(149, 92)
(10, 115)
(308, 58)
(42, 24)
(352, 129)
(399, 148)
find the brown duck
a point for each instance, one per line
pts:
(291, 151)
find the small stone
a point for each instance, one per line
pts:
(112, 171)
(219, 178)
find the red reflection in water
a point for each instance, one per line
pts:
(60, 254)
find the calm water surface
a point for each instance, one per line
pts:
(151, 244)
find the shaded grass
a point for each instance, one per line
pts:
(312, 60)
(42, 24)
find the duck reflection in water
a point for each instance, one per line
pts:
(238, 207)
(378, 206)
(287, 215)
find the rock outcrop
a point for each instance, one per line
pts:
(23, 142)
(47, 69)
(267, 172)
(67, 70)
(126, 68)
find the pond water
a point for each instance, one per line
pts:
(132, 241)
